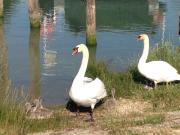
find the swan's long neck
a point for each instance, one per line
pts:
(80, 75)
(145, 51)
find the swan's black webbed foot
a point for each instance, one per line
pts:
(91, 116)
(77, 111)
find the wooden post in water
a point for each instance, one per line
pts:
(90, 23)
(92, 55)
(179, 25)
(34, 13)
(1, 8)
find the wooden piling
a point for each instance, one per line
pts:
(179, 25)
(1, 8)
(90, 23)
(92, 55)
(34, 13)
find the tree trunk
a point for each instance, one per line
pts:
(1, 8)
(90, 22)
(34, 13)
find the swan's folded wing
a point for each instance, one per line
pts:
(161, 66)
(87, 80)
(158, 70)
(96, 89)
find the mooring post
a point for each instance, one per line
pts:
(1, 8)
(90, 22)
(179, 25)
(34, 13)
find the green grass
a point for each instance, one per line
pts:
(151, 119)
(58, 121)
(122, 125)
(12, 116)
(13, 119)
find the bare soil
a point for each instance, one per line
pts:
(124, 108)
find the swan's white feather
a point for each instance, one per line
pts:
(95, 89)
(86, 94)
(157, 71)
(87, 79)
(86, 91)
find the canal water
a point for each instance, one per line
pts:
(41, 60)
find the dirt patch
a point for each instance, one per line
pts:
(153, 130)
(89, 131)
(126, 106)
(136, 110)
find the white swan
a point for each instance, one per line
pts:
(157, 71)
(86, 91)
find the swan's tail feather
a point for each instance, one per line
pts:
(178, 77)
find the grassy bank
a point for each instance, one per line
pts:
(14, 120)
(129, 85)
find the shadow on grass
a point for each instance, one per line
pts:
(138, 78)
(72, 106)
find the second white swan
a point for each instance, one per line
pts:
(86, 91)
(157, 71)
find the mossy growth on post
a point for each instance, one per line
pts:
(91, 39)
(35, 20)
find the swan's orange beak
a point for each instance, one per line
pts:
(139, 37)
(74, 50)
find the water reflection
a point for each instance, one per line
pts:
(34, 60)
(46, 6)
(47, 28)
(157, 10)
(34, 13)
(116, 14)
(10, 5)
(4, 80)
